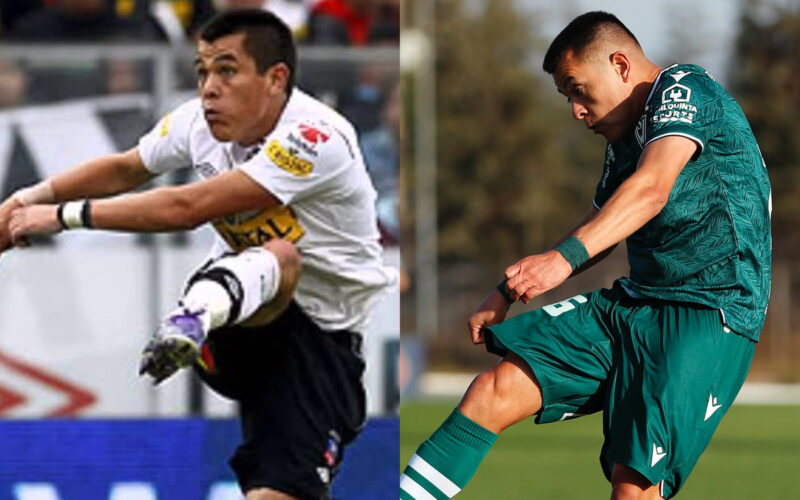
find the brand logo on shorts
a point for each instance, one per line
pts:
(712, 407)
(324, 474)
(658, 454)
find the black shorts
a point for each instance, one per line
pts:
(301, 400)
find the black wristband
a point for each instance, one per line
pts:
(504, 292)
(86, 214)
(60, 216)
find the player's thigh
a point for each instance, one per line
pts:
(677, 371)
(628, 484)
(567, 346)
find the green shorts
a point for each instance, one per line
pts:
(664, 374)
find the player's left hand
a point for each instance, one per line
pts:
(33, 220)
(536, 274)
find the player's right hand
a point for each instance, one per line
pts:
(492, 311)
(6, 208)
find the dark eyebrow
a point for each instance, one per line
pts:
(217, 59)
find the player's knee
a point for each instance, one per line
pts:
(289, 262)
(500, 397)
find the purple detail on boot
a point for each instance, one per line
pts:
(189, 324)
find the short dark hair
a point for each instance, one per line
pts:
(267, 39)
(581, 33)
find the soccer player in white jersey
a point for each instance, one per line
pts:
(274, 319)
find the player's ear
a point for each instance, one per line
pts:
(622, 65)
(277, 78)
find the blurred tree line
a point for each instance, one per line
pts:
(765, 79)
(515, 169)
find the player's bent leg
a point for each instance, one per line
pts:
(254, 286)
(628, 484)
(502, 396)
(267, 494)
(497, 398)
(233, 288)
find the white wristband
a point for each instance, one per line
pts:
(71, 214)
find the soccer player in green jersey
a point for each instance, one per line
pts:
(663, 352)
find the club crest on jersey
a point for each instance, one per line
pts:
(288, 160)
(640, 129)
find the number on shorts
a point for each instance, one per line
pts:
(560, 308)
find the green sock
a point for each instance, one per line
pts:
(446, 462)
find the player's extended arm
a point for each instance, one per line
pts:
(103, 176)
(162, 209)
(640, 198)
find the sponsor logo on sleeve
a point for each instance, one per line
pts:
(315, 134)
(676, 93)
(306, 137)
(288, 160)
(675, 106)
(678, 75)
(166, 123)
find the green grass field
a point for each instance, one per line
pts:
(755, 454)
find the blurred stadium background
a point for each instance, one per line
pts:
(81, 78)
(495, 168)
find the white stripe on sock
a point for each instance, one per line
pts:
(414, 489)
(438, 479)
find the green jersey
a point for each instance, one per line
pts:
(711, 243)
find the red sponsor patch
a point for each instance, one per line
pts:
(313, 134)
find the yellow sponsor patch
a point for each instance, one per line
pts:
(165, 124)
(253, 230)
(287, 161)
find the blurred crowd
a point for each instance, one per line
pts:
(364, 91)
(329, 22)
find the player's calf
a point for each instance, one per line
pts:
(497, 398)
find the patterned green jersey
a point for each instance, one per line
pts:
(711, 243)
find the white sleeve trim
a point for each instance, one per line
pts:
(594, 202)
(681, 134)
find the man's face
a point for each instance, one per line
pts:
(598, 95)
(239, 103)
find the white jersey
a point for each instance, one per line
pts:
(312, 164)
